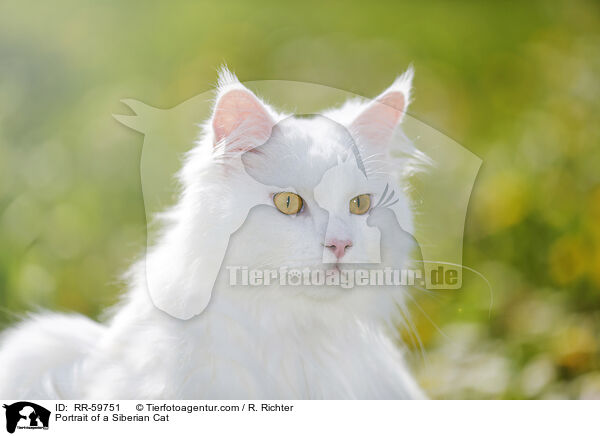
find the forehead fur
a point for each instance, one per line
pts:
(299, 151)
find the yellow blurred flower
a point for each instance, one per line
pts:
(568, 259)
(574, 346)
(502, 201)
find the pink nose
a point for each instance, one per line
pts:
(338, 247)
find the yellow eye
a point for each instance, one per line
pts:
(288, 202)
(360, 204)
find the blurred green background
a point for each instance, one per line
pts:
(516, 83)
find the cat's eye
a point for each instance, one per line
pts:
(288, 202)
(360, 204)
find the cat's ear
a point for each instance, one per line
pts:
(376, 122)
(240, 121)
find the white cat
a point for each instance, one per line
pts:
(183, 331)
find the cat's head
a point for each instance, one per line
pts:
(265, 190)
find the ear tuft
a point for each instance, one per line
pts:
(226, 78)
(403, 84)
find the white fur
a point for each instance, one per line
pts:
(267, 342)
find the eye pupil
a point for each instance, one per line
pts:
(288, 203)
(360, 204)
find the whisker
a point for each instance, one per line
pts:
(382, 195)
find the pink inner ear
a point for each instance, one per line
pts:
(241, 114)
(377, 122)
(394, 100)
